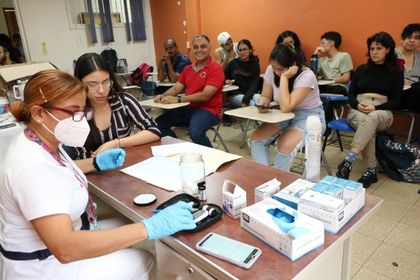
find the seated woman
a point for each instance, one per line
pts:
(295, 87)
(243, 71)
(114, 111)
(43, 195)
(292, 39)
(374, 91)
(410, 39)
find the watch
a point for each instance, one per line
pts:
(179, 98)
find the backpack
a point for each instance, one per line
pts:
(140, 74)
(400, 162)
(110, 56)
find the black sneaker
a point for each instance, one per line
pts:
(368, 178)
(344, 169)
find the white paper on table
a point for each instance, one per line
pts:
(213, 158)
(151, 170)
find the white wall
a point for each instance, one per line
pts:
(45, 22)
(4, 4)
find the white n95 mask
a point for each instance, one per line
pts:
(69, 132)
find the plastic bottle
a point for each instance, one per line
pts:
(192, 172)
(313, 149)
(314, 63)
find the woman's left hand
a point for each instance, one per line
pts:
(366, 108)
(290, 72)
(106, 146)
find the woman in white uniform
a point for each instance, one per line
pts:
(43, 196)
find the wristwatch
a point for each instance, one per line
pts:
(179, 98)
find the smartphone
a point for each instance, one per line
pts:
(225, 248)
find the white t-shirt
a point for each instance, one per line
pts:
(33, 185)
(305, 79)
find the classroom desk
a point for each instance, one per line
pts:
(177, 254)
(152, 103)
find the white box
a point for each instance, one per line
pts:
(295, 240)
(267, 189)
(321, 201)
(234, 199)
(334, 221)
(291, 194)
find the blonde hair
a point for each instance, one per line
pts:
(45, 87)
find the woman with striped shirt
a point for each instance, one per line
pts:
(114, 111)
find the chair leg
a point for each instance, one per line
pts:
(324, 160)
(244, 133)
(410, 131)
(339, 140)
(217, 134)
(216, 130)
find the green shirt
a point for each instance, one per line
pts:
(334, 67)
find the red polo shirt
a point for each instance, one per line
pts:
(194, 81)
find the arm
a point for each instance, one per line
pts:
(395, 93)
(253, 88)
(161, 75)
(172, 92)
(289, 100)
(197, 97)
(353, 91)
(343, 79)
(172, 74)
(346, 66)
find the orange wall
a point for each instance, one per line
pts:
(262, 21)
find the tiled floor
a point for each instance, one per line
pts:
(387, 246)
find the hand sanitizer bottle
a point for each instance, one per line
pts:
(313, 149)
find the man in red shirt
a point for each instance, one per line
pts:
(202, 83)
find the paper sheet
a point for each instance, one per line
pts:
(166, 160)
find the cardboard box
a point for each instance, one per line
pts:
(334, 220)
(293, 238)
(234, 199)
(267, 189)
(291, 194)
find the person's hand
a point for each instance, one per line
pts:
(158, 98)
(110, 159)
(106, 146)
(263, 104)
(230, 82)
(169, 99)
(170, 220)
(319, 49)
(365, 108)
(291, 71)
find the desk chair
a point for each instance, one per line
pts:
(338, 125)
(412, 117)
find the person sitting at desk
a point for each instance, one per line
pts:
(5, 55)
(114, 111)
(45, 231)
(291, 38)
(203, 83)
(334, 65)
(295, 88)
(227, 51)
(172, 63)
(243, 71)
(374, 91)
(410, 39)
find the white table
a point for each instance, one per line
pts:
(325, 82)
(227, 88)
(252, 113)
(152, 103)
(164, 84)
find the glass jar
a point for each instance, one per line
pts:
(192, 172)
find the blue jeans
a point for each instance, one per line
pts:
(236, 100)
(197, 120)
(260, 148)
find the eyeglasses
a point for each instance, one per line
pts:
(77, 116)
(94, 86)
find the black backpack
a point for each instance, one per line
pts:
(110, 56)
(400, 162)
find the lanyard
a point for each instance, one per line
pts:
(92, 215)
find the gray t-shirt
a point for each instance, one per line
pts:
(412, 76)
(336, 66)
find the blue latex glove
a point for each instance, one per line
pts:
(282, 219)
(170, 220)
(109, 159)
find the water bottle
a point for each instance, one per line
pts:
(313, 149)
(192, 172)
(314, 63)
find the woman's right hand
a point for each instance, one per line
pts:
(263, 104)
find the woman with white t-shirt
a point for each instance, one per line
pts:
(43, 196)
(295, 88)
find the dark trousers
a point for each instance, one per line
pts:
(410, 99)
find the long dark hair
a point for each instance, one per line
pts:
(91, 62)
(385, 40)
(297, 45)
(286, 56)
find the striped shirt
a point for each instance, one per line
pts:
(126, 111)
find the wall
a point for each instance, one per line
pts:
(45, 21)
(262, 21)
(4, 4)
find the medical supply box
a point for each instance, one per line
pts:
(234, 199)
(333, 201)
(291, 233)
(291, 194)
(267, 189)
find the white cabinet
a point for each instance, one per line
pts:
(173, 266)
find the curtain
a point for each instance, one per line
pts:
(106, 21)
(137, 16)
(92, 27)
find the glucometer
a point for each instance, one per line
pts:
(144, 199)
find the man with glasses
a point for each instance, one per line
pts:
(227, 51)
(333, 64)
